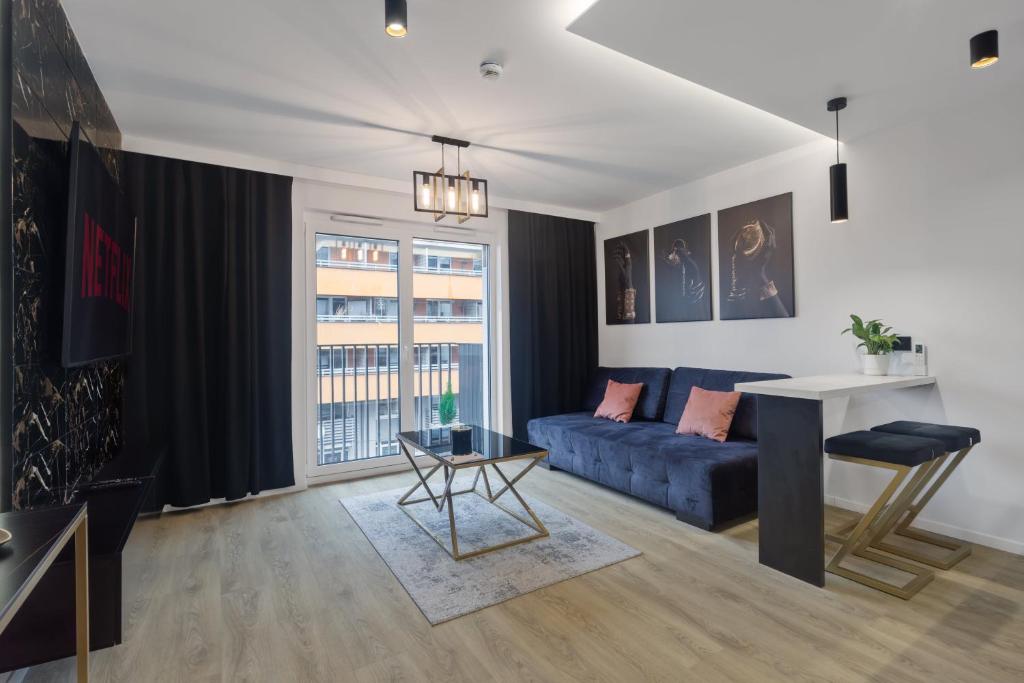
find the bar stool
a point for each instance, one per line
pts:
(959, 440)
(915, 457)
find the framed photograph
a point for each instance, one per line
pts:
(627, 279)
(755, 259)
(682, 270)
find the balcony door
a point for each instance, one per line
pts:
(450, 330)
(400, 339)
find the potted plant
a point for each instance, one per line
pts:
(462, 435)
(877, 344)
(446, 408)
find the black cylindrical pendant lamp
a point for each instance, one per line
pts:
(985, 49)
(396, 18)
(837, 172)
(837, 186)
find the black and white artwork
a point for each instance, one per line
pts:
(682, 270)
(755, 259)
(627, 283)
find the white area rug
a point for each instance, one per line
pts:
(444, 589)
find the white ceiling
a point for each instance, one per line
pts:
(572, 123)
(894, 59)
(317, 83)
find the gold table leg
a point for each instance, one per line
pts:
(82, 599)
(448, 498)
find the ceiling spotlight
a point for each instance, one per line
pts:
(837, 172)
(985, 49)
(396, 18)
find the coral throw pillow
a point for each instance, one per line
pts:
(619, 401)
(709, 413)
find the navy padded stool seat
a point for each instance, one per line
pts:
(880, 446)
(954, 438)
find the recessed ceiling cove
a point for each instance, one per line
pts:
(318, 82)
(895, 59)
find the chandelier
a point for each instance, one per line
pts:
(443, 194)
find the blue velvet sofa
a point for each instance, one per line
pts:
(706, 483)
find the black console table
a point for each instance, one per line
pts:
(43, 630)
(38, 537)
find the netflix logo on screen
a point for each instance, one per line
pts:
(99, 260)
(106, 266)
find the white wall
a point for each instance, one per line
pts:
(935, 246)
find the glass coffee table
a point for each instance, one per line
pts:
(489, 449)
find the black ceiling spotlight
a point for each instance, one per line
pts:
(396, 18)
(837, 173)
(985, 49)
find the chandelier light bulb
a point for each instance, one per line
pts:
(425, 194)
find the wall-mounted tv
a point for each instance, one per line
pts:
(99, 260)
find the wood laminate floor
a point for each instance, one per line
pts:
(288, 589)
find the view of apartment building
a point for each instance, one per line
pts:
(357, 328)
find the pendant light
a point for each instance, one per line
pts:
(396, 18)
(441, 193)
(985, 49)
(837, 173)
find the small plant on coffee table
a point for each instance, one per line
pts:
(446, 408)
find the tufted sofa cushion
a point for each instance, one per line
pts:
(651, 405)
(705, 481)
(744, 422)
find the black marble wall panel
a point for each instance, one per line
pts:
(66, 422)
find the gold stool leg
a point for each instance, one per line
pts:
(881, 517)
(917, 485)
(958, 549)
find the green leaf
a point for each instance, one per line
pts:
(446, 411)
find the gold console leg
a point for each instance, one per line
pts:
(82, 599)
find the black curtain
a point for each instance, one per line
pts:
(208, 382)
(552, 314)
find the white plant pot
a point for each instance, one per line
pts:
(875, 365)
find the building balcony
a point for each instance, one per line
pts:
(389, 267)
(382, 281)
(450, 319)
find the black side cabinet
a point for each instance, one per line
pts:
(44, 628)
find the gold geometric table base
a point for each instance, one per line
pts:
(447, 498)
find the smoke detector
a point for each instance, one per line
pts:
(490, 71)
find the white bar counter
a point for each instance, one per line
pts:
(790, 486)
(821, 387)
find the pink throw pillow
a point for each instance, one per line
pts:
(619, 401)
(709, 413)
